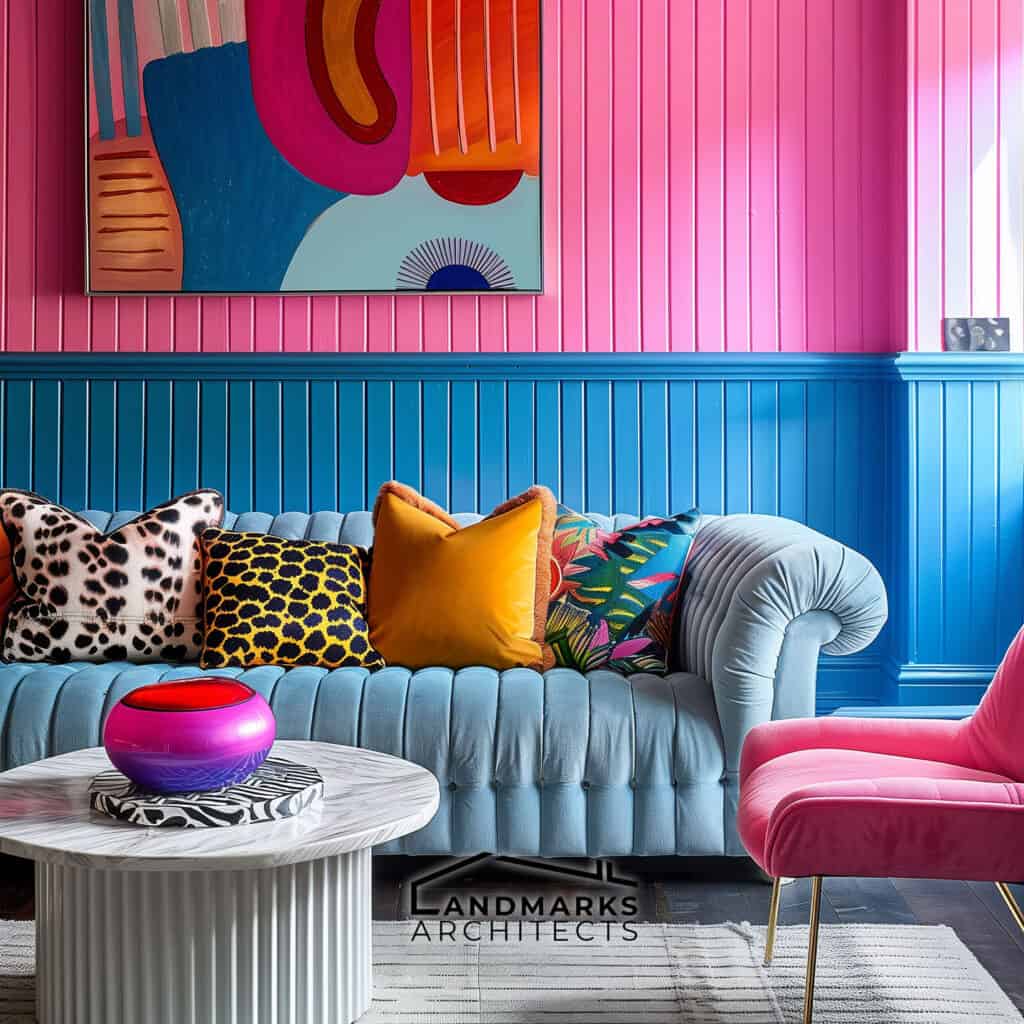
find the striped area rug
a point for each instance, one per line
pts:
(671, 974)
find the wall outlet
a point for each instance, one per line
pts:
(976, 334)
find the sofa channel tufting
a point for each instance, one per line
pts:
(557, 764)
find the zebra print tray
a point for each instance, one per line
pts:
(277, 789)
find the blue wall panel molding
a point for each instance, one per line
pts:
(957, 576)
(916, 460)
(446, 367)
(914, 684)
(809, 447)
(949, 366)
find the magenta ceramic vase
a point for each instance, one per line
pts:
(190, 735)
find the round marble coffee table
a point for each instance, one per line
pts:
(266, 923)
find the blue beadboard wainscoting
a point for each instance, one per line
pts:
(914, 460)
(956, 580)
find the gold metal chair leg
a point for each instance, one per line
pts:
(773, 920)
(812, 949)
(1007, 893)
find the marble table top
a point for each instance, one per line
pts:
(369, 798)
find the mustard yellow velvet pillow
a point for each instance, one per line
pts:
(475, 595)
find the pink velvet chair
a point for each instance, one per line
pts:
(884, 798)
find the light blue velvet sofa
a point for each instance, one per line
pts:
(559, 764)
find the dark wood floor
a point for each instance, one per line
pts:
(715, 891)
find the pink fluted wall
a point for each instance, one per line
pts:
(718, 175)
(965, 175)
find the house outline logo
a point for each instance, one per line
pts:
(549, 870)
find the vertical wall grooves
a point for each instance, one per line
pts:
(965, 164)
(625, 445)
(640, 226)
(957, 576)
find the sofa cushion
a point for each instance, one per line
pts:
(131, 593)
(556, 764)
(460, 596)
(272, 601)
(614, 592)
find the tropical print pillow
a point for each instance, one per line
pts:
(614, 594)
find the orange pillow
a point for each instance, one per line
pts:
(476, 595)
(8, 585)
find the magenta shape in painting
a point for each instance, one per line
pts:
(295, 119)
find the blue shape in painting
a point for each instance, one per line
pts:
(129, 66)
(244, 209)
(457, 278)
(407, 235)
(101, 68)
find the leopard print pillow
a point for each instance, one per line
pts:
(134, 594)
(273, 601)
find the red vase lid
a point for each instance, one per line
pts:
(202, 694)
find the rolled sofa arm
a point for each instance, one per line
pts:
(764, 595)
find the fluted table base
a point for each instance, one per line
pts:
(287, 945)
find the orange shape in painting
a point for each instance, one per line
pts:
(476, 86)
(344, 68)
(339, 19)
(134, 231)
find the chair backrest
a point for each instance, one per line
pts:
(995, 732)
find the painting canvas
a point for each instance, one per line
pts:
(313, 146)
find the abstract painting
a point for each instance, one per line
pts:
(309, 146)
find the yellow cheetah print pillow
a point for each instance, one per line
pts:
(271, 601)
